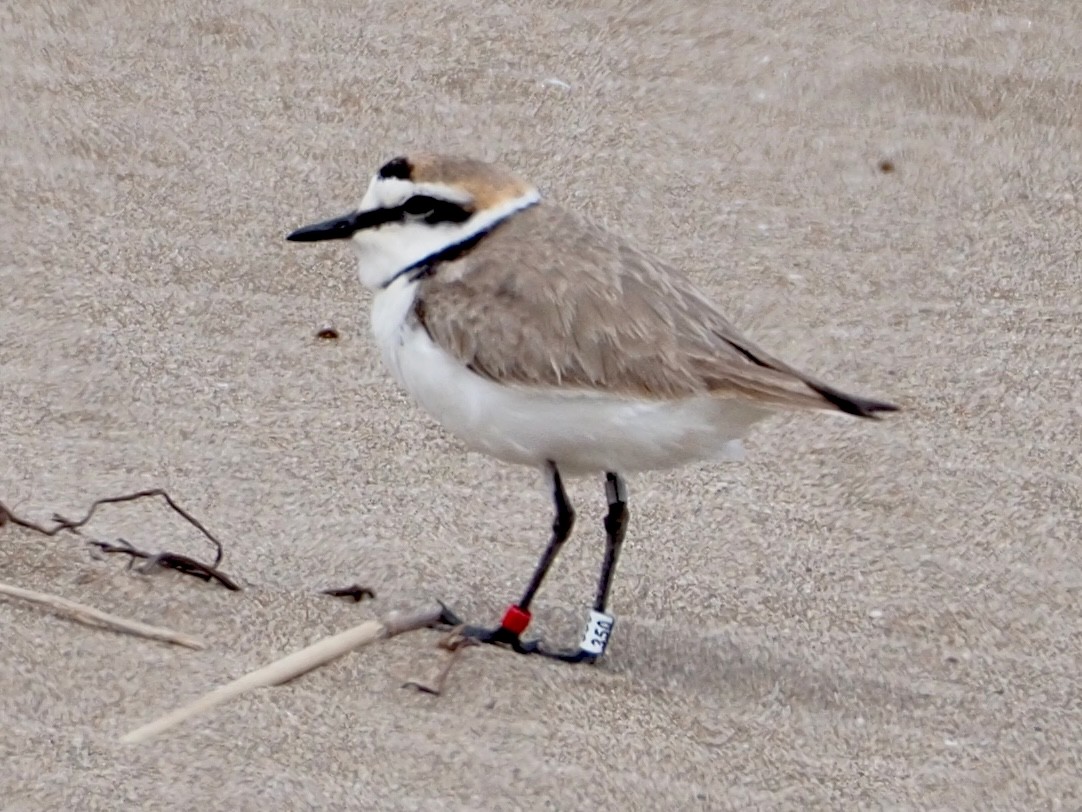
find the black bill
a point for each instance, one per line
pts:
(344, 227)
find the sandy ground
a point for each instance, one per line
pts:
(861, 616)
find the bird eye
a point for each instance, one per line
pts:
(420, 205)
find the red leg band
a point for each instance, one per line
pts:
(515, 620)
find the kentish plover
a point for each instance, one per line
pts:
(540, 339)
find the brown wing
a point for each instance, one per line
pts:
(586, 310)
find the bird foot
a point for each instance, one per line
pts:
(504, 637)
(509, 635)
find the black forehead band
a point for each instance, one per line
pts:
(397, 168)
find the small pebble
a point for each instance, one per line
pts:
(554, 82)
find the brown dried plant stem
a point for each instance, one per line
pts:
(175, 561)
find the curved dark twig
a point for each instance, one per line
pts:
(68, 524)
(355, 592)
(6, 516)
(175, 561)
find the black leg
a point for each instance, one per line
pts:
(599, 628)
(561, 531)
(615, 529)
(518, 617)
(597, 633)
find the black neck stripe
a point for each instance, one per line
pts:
(426, 266)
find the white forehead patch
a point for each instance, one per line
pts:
(389, 192)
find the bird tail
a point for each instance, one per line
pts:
(851, 404)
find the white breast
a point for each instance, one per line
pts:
(583, 432)
(390, 309)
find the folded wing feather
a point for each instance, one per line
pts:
(585, 310)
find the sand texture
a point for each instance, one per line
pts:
(861, 616)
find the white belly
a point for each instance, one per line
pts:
(582, 432)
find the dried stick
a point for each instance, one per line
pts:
(176, 561)
(7, 516)
(356, 592)
(68, 524)
(453, 643)
(93, 617)
(293, 665)
(173, 561)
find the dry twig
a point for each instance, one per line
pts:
(176, 561)
(67, 524)
(94, 617)
(454, 642)
(355, 592)
(293, 666)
